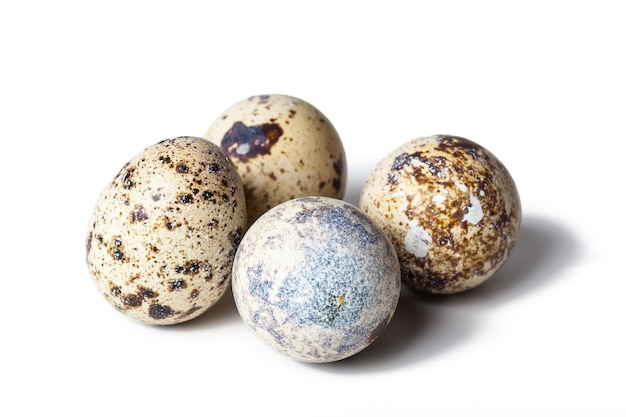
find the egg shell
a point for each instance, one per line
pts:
(316, 279)
(451, 209)
(283, 148)
(163, 234)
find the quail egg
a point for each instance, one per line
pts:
(283, 148)
(316, 279)
(451, 209)
(163, 234)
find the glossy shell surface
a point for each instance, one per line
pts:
(316, 279)
(163, 235)
(451, 209)
(283, 148)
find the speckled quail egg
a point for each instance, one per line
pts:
(283, 148)
(316, 279)
(451, 209)
(163, 234)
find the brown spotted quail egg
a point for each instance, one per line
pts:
(163, 234)
(283, 148)
(451, 209)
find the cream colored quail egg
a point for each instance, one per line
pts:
(316, 279)
(451, 209)
(163, 234)
(283, 148)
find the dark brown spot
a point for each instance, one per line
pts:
(213, 167)
(447, 143)
(88, 243)
(132, 300)
(126, 179)
(400, 161)
(208, 195)
(139, 214)
(170, 225)
(147, 292)
(116, 250)
(338, 166)
(185, 198)
(434, 164)
(458, 214)
(189, 268)
(158, 311)
(177, 284)
(182, 169)
(392, 180)
(337, 184)
(191, 311)
(236, 236)
(245, 142)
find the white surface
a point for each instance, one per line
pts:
(84, 86)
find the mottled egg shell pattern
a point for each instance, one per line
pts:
(451, 209)
(283, 148)
(316, 279)
(163, 235)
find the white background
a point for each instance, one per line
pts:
(84, 86)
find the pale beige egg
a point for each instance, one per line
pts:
(451, 209)
(163, 234)
(283, 148)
